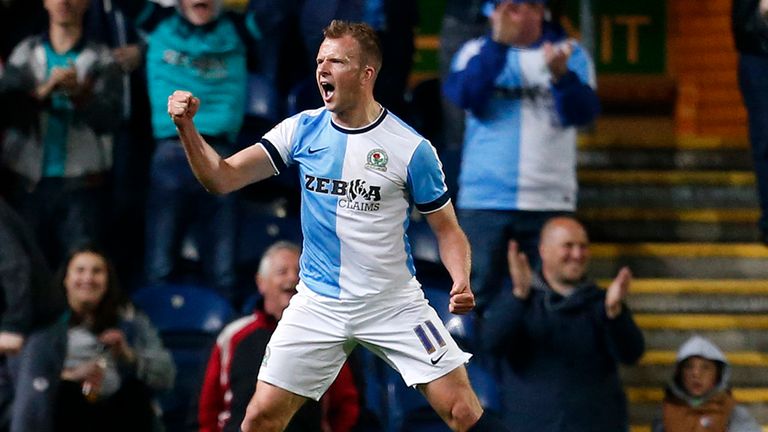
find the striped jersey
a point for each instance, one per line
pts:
(358, 188)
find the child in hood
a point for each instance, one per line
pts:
(698, 398)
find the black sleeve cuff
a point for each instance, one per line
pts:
(274, 155)
(435, 205)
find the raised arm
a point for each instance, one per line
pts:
(454, 252)
(217, 175)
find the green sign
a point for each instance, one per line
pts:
(630, 36)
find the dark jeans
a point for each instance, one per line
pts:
(29, 380)
(64, 212)
(177, 205)
(753, 81)
(489, 232)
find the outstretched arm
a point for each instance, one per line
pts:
(454, 252)
(217, 175)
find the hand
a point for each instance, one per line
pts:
(616, 292)
(462, 298)
(504, 28)
(764, 9)
(519, 271)
(182, 106)
(61, 78)
(91, 371)
(64, 78)
(10, 343)
(556, 57)
(128, 57)
(115, 340)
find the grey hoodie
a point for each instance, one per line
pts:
(741, 420)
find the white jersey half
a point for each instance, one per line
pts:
(358, 186)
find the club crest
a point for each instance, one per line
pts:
(377, 159)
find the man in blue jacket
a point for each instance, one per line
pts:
(561, 339)
(525, 88)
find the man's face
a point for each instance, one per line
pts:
(340, 74)
(564, 252)
(278, 284)
(198, 12)
(521, 21)
(699, 375)
(66, 12)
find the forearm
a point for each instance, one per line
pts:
(503, 324)
(207, 165)
(624, 337)
(455, 254)
(472, 87)
(577, 103)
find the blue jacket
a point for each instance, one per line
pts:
(562, 355)
(519, 149)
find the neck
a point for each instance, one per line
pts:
(64, 36)
(365, 114)
(564, 288)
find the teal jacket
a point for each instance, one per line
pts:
(210, 61)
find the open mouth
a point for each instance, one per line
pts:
(201, 6)
(327, 90)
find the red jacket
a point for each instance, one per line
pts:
(230, 379)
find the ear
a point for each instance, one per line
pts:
(257, 281)
(368, 74)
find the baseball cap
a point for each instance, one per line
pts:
(490, 5)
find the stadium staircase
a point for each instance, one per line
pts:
(681, 213)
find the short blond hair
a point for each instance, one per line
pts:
(365, 35)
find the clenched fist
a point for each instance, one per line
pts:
(182, 106)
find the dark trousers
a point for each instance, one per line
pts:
(489, 232)
(753, 81)
(64, 212)
(177, 205)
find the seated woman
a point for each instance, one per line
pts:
(699, 397)
(115, 359)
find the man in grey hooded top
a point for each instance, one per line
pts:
(698, 398)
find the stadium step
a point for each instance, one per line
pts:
(682, 260)
(681, 213)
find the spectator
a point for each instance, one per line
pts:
(32, 330)
(525, 88)
(363, 169)
(562, 338)
(239, 350)
(196, 47)
(112, 22)
(60, 149)
(463, 20)
(750, 30)
(699, 397)
(115, 358)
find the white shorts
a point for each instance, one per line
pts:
(316, 334)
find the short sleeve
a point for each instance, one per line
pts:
(426, 179)
(279, 142)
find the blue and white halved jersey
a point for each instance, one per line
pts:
(358, 186)
(533, 163)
